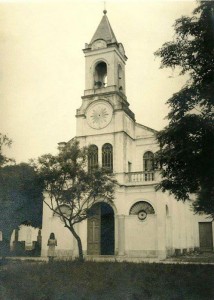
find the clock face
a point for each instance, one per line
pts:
(99, 114)
(98, 44)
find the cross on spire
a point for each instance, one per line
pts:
(105, 11)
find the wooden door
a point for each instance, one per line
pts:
(206, 236)
(94, 228)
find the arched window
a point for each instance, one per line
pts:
(107, 157)
(62, 209)
(120, 77)
(141, 209)
(148, 161)
(100, 75)
(167, 210)
(92, 158)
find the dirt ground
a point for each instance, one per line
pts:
(194, 258)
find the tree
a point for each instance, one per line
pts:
(20, 195)
(71, 188)
(4, 141)
(186, 155)
(20, 200)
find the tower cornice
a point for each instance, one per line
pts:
(111, 47)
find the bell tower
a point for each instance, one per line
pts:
(105, 61)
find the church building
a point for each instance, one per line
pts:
(142, 223)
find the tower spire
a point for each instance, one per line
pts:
(104, 31)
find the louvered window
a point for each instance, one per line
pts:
(107, 157)
(92, 158)
(148, 161)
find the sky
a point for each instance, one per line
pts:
(42, 65)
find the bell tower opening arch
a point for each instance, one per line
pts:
(100, 75)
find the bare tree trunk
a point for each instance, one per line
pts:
(79, 243)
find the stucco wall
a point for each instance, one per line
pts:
(141, 236)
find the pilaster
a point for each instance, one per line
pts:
(121, 235)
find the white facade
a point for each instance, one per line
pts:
(147, 223)
(25, 233)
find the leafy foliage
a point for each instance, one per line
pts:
(4, 141)
(20, 195)
(73, 190)
(20, 198)
(186, 157)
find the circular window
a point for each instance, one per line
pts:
(142, 215)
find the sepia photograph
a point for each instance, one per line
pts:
(106, 149)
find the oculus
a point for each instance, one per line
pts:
(142, 215)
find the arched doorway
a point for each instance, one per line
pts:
(101, 230)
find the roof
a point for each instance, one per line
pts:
(147, 128)
(104, 31)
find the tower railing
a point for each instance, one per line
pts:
(111, 88)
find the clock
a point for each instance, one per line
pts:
(98, 44)
(99, 114)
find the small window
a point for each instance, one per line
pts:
(92, 158)
(167, 211)
(148, 161)
(120, 77)
(129, 167)
(107, 157)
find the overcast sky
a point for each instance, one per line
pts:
(42, 65)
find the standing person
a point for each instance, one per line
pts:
(52, 243)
